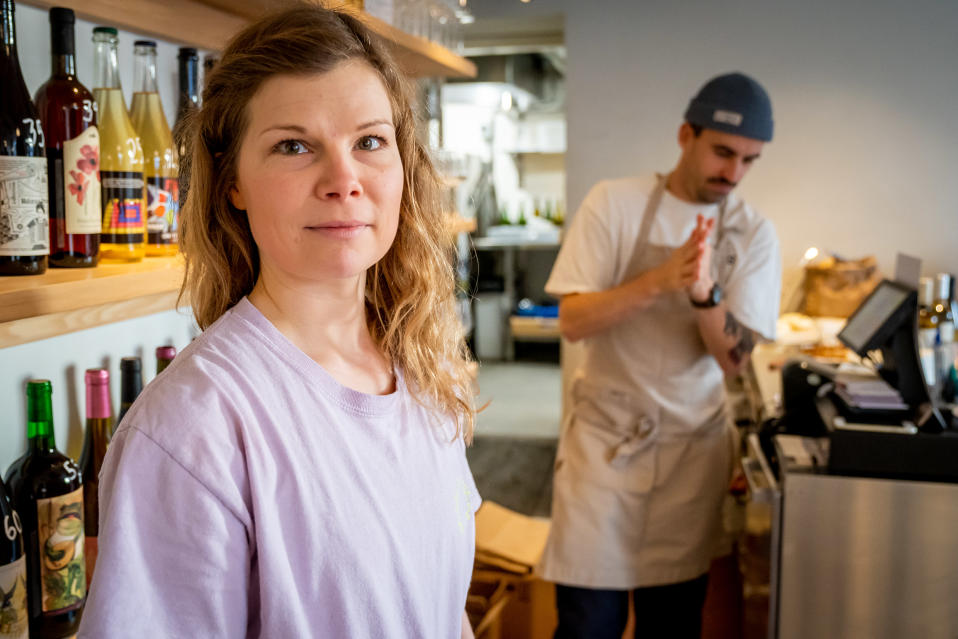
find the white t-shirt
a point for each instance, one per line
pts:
(595, 254)
(249, 494)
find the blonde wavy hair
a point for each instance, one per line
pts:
(410, 293)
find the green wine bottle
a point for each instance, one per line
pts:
(47, 489)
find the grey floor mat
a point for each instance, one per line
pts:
(514, 472)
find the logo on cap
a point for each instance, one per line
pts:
(727, 117)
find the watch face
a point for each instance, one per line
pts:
(715, 295)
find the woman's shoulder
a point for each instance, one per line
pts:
(200, 395)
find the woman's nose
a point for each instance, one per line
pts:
(339, 178)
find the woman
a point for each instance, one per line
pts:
(299, 470)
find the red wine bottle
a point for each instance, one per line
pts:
(24, 239)
(68, 114)
(188, 59)
(131, 383)
(47, 489)
(99, 426)
(164, 357)
(14, 621)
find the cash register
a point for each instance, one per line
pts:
(874, 426)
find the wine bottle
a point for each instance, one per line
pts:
(99, 427)
(131, 383)
(188, 104)
(68, 114)
(14, 621)
(123, 229)
(159, 154)
(47, 488)
(24, 222)
(164, 356)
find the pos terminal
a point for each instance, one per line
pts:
(887, 427)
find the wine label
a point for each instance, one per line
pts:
(24, 202)
(123, 221)
(80, 173)
(163, 209)
(14, 622)
(62, 566)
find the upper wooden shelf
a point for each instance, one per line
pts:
(209, 24)
(66, 300)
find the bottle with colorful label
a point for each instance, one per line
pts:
(123, 223)
(68, 113)
(159, 154)
(24, 203)
(47, 489)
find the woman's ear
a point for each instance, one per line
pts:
(236, 199)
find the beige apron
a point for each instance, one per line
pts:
(637, 496)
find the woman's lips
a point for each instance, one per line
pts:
(342, 230)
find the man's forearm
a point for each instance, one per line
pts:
(586, 314)
(729, 341)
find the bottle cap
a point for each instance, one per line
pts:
(98, 393)
(188, 52)
(165, 352)
(108, 30)
(62, 15)
(97, 376)
(145, 43)
(943, 286)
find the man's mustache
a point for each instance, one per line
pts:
(722, 181)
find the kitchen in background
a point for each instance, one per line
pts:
(503, 137)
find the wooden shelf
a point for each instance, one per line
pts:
(209, 24)
(66, 300)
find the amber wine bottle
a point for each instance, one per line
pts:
(99, 428)
(159, 155)
(123, 226)
(47, 489)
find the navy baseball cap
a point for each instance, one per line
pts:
(733, 103)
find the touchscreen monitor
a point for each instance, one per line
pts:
(876, 319)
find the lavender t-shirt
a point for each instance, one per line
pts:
(249, 494)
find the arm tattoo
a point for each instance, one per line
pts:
(746, 339)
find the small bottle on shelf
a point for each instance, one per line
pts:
(123, 231)
(927, 330)
(47, 488)
(24, 207)
(945, 347)
(159, 154)
(68, 113)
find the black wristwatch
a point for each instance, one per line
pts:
(713, 299)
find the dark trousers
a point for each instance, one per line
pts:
(661, 612)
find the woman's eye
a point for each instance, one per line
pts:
(290, 147)
(370, 143)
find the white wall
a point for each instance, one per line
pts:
(64, 359)
(864, 91)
